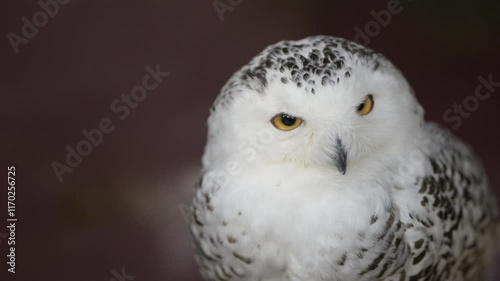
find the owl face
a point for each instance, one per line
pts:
(292, 115)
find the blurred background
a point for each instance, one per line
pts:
(125, 205)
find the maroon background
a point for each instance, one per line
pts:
(120, 207)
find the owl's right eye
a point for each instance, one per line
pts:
(286, 122)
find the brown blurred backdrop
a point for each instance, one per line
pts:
(123, 205)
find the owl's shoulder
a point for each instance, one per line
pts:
(453, 213)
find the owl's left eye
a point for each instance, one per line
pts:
(286, 122)
(366, 106)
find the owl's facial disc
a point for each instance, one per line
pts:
(340, 158)
(318, 103)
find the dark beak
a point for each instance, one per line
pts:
(340, 158)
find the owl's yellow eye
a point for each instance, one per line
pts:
(366, 106)
(286, 122)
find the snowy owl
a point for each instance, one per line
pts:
(319, 166)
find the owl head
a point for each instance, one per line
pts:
(320, 102)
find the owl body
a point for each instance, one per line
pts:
(342, 196)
